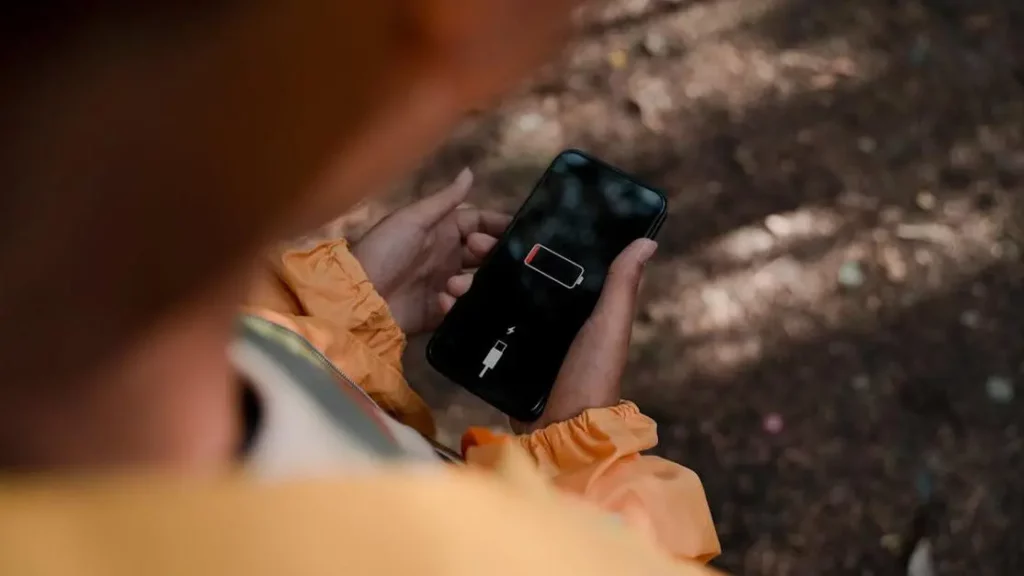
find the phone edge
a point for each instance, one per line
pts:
(538, 410)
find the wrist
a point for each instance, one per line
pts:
(555, 413)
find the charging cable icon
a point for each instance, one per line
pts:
(493, 355)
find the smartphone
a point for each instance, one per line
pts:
(506, 338)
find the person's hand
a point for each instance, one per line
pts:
(591, 375)
(410, 256)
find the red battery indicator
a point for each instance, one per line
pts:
(554, 266)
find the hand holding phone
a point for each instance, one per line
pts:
(510, 337)
(591, 375)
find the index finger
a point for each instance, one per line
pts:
(433, 208)
(490, 222)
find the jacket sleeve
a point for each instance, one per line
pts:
(597, 456)
(323, 294)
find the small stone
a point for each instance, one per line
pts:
(891, 214)
(892, 543)
(860, 382)
(823, 81)
(851, 275)
(764, 70)
(970, 319)
(773, 423)
(925, 200)
(530, 122)
(893, 263)
(962, 157)
(746, 244)
(778, 225)
(844, 66)
(531, 134)
(1000, 389)
(655, 44)
(652, 97)
(867, 144)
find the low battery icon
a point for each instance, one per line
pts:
(554, 266)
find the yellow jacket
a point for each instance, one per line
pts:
(506, 513)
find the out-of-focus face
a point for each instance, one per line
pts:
(152, 148)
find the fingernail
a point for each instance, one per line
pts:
(645, 252)
(464, 178)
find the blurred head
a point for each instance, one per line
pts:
(152, 149)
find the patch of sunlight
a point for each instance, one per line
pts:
(744, 74)
(715, 69)
(704, 20)
(779, 233)
(743, 299)
(727, 322)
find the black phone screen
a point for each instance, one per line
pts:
(505, 339)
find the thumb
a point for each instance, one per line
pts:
(615, 307)
(591, 374)
(434, 208)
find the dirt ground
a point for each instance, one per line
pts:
(833, 329)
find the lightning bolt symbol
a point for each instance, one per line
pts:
(511, 330)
